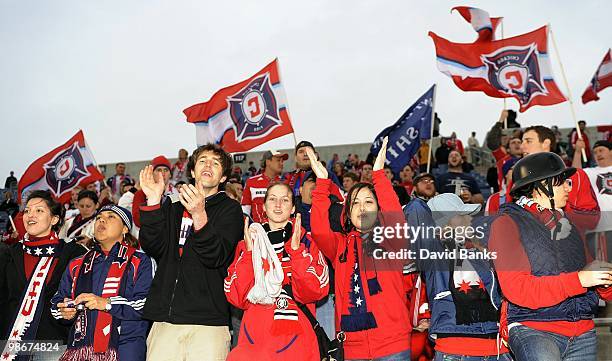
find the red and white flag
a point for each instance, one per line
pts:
(482, 23)
(601, 80)
(517, 67)
(244, 115)
(65, 167)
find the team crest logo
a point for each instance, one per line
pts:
(604, 183)
(65, 170)
(254, 110)
(515, 70)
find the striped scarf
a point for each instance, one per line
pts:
(27, 320)
(279, 279)
(103, 344)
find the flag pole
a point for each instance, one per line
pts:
(280, 76)
(505, 106)
(569, 93)
(13, 223)
(433, 112)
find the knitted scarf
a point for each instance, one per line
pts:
(268, 278)
(27, 320)
(103, 344)
(554, 220)
(356, 317)
(271, 266)
(186, 230)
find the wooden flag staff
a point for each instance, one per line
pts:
(569, 94)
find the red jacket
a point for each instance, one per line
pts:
(253, 196)
(392, 334)
(307, 272)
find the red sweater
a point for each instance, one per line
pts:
(521, 287)
(392, 334)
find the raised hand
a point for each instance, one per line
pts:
(381, 157)
(297, 232)
(316, 166)
(154, 190)
(194, 202)
(248, 241)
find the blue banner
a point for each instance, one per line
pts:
(406, 134)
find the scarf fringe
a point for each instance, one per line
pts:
(87, 354)
(358, 322)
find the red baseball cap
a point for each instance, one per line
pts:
(161, 161)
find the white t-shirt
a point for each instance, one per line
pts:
(601, 182)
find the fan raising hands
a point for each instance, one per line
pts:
(319, 169)
(382, 156)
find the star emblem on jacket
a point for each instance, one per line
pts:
(38, 251)
(50, 250)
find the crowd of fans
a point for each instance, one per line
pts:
(147, 267)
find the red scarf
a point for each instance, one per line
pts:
(83, 283)
(546, 216)
(185, 231)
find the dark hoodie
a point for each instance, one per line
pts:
(188, 289)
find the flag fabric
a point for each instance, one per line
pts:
(601, 80)
(517, 67)
(61, 170)
(482, 23)
(244, 115)
(406, 134)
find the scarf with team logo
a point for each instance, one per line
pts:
(102, 345)
(27, 320)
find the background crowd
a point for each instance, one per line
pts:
(138, 219)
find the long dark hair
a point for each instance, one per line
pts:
(347, 225)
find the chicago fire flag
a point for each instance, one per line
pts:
(60, 170)
(244, 115)
(484, 25)
(517, 67)
(601, 80)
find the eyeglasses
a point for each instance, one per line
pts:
(426, 181)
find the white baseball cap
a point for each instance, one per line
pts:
(447, 205)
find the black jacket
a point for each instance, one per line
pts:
(12, 288)
(189, 289)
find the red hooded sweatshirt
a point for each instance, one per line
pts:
(389, 306)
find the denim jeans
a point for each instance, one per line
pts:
(325, 315)
(400, 356)
(441, 356)
(528, 344)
